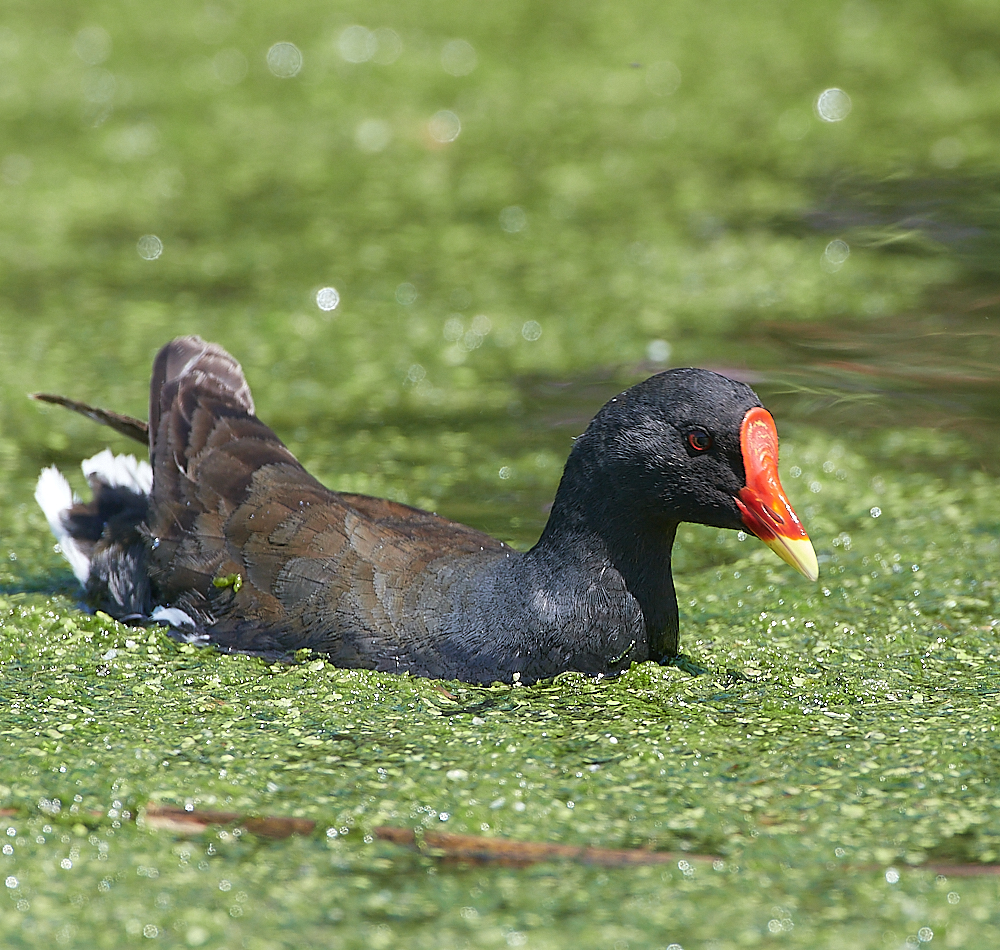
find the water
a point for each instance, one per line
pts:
(439, 238)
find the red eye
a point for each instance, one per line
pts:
(699, 440)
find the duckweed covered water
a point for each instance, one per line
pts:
(591, 222)
(844, 737)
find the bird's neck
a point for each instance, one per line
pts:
(587, 530)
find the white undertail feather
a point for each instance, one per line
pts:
(54, 497)
(119, 471)
(178, 619)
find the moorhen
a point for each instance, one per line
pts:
(228, 538)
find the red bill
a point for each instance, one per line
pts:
(766, 510)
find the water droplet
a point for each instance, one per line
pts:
(513, 219)
(459, 58)
(444, 126)
(875, 512)
(357, 44)
(833, 105)
(284, 60)
(149, 246)
(327, 298)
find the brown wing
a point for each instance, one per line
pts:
(357, 577)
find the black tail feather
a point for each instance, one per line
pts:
(126, 425)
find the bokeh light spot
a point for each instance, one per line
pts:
(149, 246)
(947, 153)
(833, 105)
(444, 126)
(372, 135)
(531, 331)
(133, 142)
(284, 60)
(388, 46)
(658, 351)
(663, 78)
(835, 256)
(459, 58)
(406, 294)
(93, 45)
(327, 298)
(513, 219)
(357, 44)
(98, 86)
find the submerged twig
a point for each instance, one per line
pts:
(166, 818)
(519, 853)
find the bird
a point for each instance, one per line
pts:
(227, 539)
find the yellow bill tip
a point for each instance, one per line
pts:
(798, 552)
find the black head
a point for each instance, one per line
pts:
(686, 445)
(665, 451)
